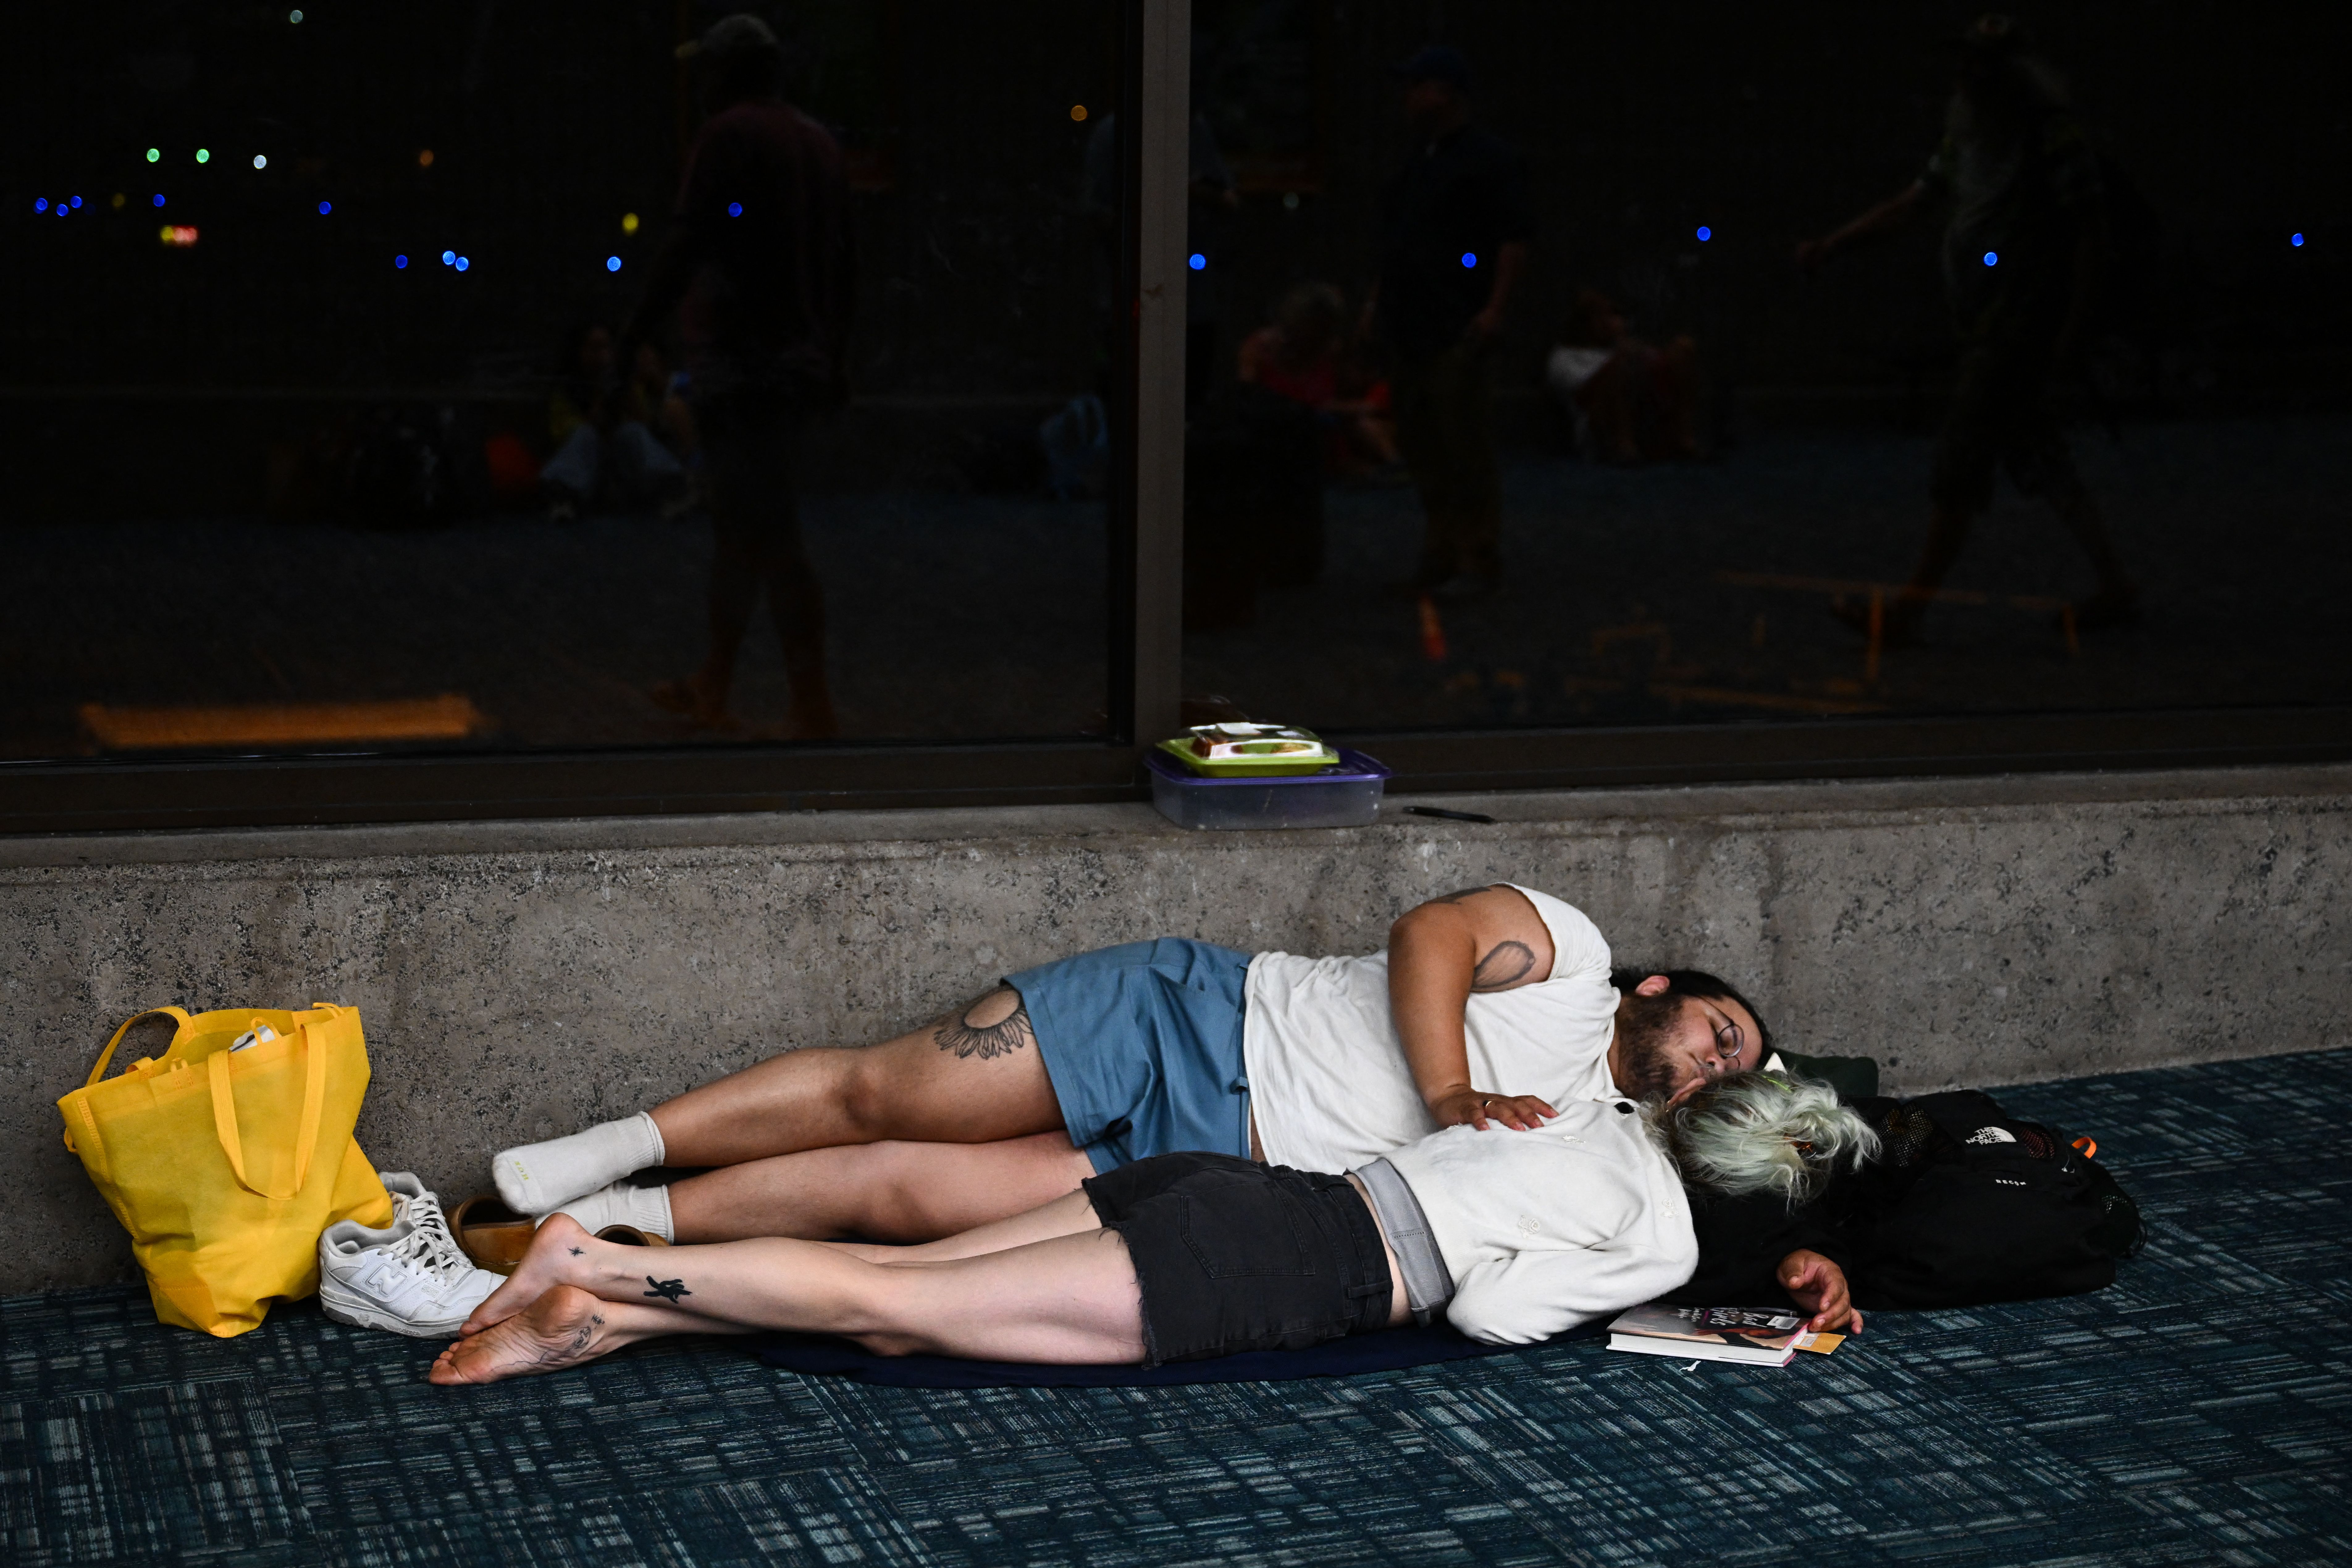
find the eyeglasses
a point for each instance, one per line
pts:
(1729, 1042)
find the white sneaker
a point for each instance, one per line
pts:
(411, 1277)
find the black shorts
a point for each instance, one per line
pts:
(1234, 1255)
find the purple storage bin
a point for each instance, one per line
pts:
(1346, 795)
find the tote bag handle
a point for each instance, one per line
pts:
(306, 1136)
(107, 1055)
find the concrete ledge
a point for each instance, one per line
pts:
(518, 979)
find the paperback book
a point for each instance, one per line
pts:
(1755, 1336)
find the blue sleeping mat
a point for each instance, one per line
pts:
(821, 1355)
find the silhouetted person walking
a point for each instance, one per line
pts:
(2024, 249)
(758, 266)
(1454, 242)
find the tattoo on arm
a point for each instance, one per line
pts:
(1458, 894)
(667, 1289)
(958, 1034)
(1506, 965)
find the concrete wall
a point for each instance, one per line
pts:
(519, 979)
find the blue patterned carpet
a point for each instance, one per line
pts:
(2200, 1410)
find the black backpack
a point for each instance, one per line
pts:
(1968, 1203)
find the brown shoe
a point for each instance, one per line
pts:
(630, 1235)
(492, 1234)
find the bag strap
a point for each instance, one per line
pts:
(107, 1055)
(306, 1137)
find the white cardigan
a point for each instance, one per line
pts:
(1546, 1229)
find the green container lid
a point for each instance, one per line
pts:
(1244, 750)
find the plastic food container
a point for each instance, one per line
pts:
(1346, 795)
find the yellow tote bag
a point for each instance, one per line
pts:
(225, 1165)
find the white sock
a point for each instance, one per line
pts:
(648, 1208)
(537, 1177)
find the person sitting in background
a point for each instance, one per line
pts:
(1632, 402)
(1305, 354)
(1512, 1236)
(602, 427)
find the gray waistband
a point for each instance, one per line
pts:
(1427, 1284)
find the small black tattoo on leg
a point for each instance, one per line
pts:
(579, 1252)
(1506, 965)
(667, 1289)
(965, 1038)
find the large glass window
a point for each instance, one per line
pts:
(1635, 366)
(500, 376)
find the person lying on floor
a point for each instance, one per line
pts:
(1513, 1236)
(1491, 1005)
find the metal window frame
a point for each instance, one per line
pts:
(1145, 517)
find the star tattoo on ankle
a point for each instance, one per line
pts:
(667, 1289)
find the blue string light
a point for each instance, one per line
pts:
(734, 209)
(159, 198)
(61, 209)
(325, 207)
(2295, 240)
(463, 264)
(612, 264)
(1992, 258)
(448, 258)
(1469, 258)
(1197, 262)
(1705, 233)
(77, 202)
(400, 261)
(40, 204)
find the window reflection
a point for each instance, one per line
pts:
(1639, 368)
(494, 376)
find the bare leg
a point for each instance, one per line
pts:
(974, 1077)
(1068, 1298)
(889, 1190)
(1067, 1215)
(796, 600)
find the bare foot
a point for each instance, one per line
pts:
(563, 1328)
(560, 1239)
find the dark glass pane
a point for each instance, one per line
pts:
(2064, 428)
(327, 431)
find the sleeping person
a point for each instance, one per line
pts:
(1491, 1005)
(1510, 1235)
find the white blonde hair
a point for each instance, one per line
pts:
(1763, 1133)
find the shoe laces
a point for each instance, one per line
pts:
(429, 1241)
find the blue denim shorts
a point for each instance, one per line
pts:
(1143, 1043)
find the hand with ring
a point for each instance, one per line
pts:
(1523, 1113)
